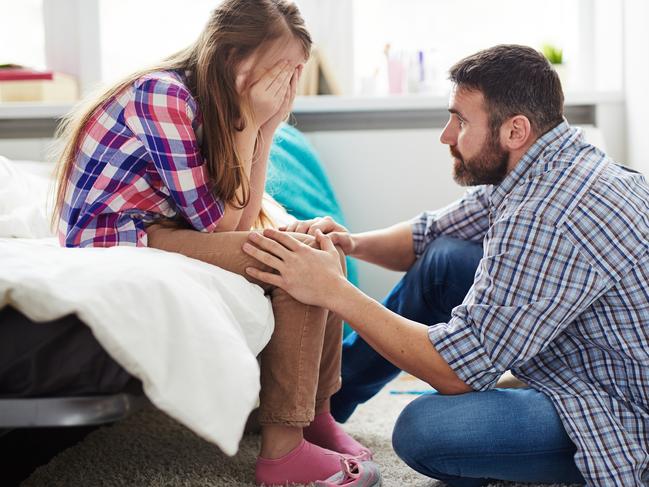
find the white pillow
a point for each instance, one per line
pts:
(27, 196)
(25, 199)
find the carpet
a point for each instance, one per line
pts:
(149, 449)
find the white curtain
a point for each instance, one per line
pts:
(331, 25)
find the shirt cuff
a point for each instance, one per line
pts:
(206, 213)
(461, 349)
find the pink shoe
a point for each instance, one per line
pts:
(364, 456)
(326, 432)
(354, 474)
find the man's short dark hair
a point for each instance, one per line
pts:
(514, 80)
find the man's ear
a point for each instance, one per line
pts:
(516, 132)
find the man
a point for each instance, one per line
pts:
(542, 269)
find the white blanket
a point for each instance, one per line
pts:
(188, 330)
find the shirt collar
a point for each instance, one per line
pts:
(544, 146)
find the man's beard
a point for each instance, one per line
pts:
(488, 167)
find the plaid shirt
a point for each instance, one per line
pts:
(139, 160)
(561, 296)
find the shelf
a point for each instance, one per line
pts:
(317, 113)
(22, 111)
(317, 104)
(332, 104)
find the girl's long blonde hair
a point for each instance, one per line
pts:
(235, 30)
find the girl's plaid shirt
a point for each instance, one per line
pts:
(139, 160)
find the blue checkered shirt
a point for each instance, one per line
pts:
(560, 297)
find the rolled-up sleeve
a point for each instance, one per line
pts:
(466, 219)
(530, 285)
(161, 115)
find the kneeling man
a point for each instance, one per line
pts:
(541, 269)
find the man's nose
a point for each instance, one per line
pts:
(447, 137)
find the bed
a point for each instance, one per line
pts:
(189, 332)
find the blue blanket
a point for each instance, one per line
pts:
(298, 181)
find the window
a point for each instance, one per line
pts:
(102, 40)
(22, 39)
(444, 31)
(137, 34)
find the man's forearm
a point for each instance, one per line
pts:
(401, 341)
(390, 247)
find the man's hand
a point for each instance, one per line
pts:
(315, 277)
(338, 234)
(311, 275)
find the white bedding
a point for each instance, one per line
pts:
(188, 330)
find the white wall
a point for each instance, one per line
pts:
(382, 177)
(26, 149)
(636, 74)
(612, 124)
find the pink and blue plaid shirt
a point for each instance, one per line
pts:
(139, 161)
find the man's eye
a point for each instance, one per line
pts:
(461, 122)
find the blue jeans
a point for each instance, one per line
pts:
(500, 434)
(435, 284)
(439, 435)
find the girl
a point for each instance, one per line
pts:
(174, 157)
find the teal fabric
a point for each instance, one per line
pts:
(297, 180)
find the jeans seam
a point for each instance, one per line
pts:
(512, 454)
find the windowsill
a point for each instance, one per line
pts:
(316, 104)
(33, 110)
(332, 103)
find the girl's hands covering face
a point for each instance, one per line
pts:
(271, 96)
(287, 105)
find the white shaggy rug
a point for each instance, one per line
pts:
(151, 449)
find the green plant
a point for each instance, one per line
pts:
(552, 53)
